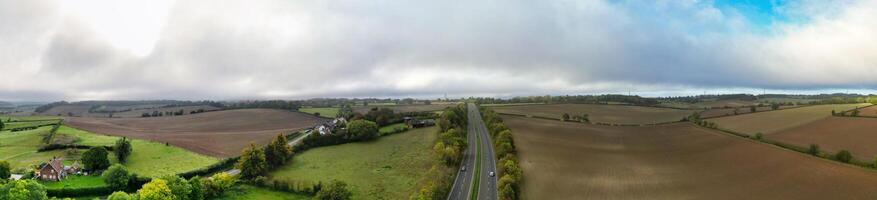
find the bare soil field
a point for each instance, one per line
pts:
(405, 108)
(832, 134)
(186, 110)
(868, 111)
(675, 161)
(617, 114)
(219, 134)
(775, 121)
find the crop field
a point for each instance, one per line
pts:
(403, 108)
(390, 167)
(218, 134)
(186, 110)
(616, 114)
(833, 134)
(325, 112)
(675, 161)
(147, 158)
(775, 121)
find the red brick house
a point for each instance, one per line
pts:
(52, 171)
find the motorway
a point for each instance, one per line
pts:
(463, 182)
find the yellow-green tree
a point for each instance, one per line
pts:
(156, 189)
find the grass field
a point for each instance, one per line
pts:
(20, 148)
(148, 158)
(12, 125)
(392, 127)
(675, 161)
(27, 118)
(775, 121)
(617, 114)
(390, 167)
(246, 192)
(75, 181)
(833, 134)
(325, 112)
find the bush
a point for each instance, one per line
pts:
(5, 170)
(95, 159)
(157, 189)
(123, 149)
(759, 136)
(22, 189)
(362, 130)
(119, 196)
(335, 190)
(843, 156)
(117, 177)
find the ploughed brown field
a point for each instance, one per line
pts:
(563, 160)
(219, 133)
(617, 114)
(855, 134)
(405, 108)
(870, 111)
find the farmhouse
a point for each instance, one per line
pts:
(329, 127)
(52, 171)
(418, 123)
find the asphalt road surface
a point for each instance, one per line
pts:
(487, 185)
(463, 182)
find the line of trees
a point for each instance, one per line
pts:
(165, 188)
(449, 150)
(510, 173)
(591, 99)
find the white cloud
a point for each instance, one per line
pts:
(300, 49)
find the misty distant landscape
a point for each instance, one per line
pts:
(437, 100)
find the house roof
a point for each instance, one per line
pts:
(55, 164)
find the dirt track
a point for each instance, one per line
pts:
(220, 133)
(676, 161)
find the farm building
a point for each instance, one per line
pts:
(52, 171)
(329, 127)
(418, 123)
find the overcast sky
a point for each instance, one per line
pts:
(282, 49)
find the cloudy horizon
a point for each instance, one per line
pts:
(227, 50)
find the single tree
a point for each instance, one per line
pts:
(813, 150)
(335, 190)
(5, 170)
(156, 189)
(122, 149)
(117, 177)
(197, 188)
(2, 125)
(95, 159)
(252, 162)
(565, 117)
(278, 152)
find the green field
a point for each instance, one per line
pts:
(390, 167)
(12, 125)
(246, 192)
(148, 158)
(775, 121)
(20, 148)
(75, 181)
(325, 112)
(27, 118)
(392, 127)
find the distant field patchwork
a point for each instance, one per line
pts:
(832, 134)
(775, 121)
(619, 114)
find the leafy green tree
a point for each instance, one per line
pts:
(218, 184)
(119, 195)
(844, 156)
(23, 190)
(565, 117)
(758, 136)
(117, 177)
(95, 159)
(197, 188)
(122, 149)
(278, 152)
(362, 129)
(156, 189)
(506, 187)
(180, 187)
(335, 190)
(2, 125)
(5, 172)
(252, 162)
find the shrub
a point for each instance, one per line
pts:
(813, 150)
(843, 156)
(123, 149)
(758, 136)
(362, 130)
(565, 117)
(5, 170)
(119, 196)
(335, 190)
(157, 189)
(117, 177)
